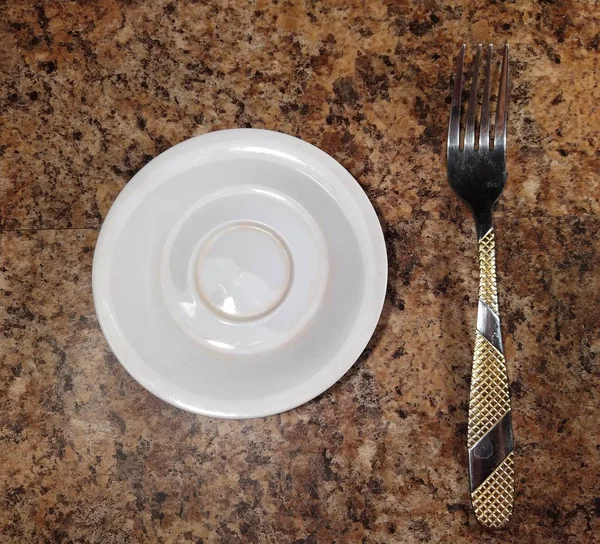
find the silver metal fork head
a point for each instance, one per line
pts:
(478, 174)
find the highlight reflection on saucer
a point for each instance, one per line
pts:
(244, 271)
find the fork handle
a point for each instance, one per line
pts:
(490, 436)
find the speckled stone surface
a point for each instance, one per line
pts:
(91, 91)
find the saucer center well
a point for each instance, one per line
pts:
(243, 271)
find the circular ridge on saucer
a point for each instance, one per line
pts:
(240, 273)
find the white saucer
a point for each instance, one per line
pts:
(240, 274)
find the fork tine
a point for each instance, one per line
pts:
(484, 128)
(501, 108)
(470, 125)
(454, 123)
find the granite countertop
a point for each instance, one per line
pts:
(91, 91)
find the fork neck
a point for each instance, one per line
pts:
(483, 222)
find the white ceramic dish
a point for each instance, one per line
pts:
(240, 273)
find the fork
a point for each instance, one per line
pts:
(477, 175)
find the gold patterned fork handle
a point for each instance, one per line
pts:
(490, 437)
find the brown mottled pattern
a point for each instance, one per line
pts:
(91, 91)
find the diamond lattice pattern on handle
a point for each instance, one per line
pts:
(489, 390)
(488, 289)
(493, 499)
